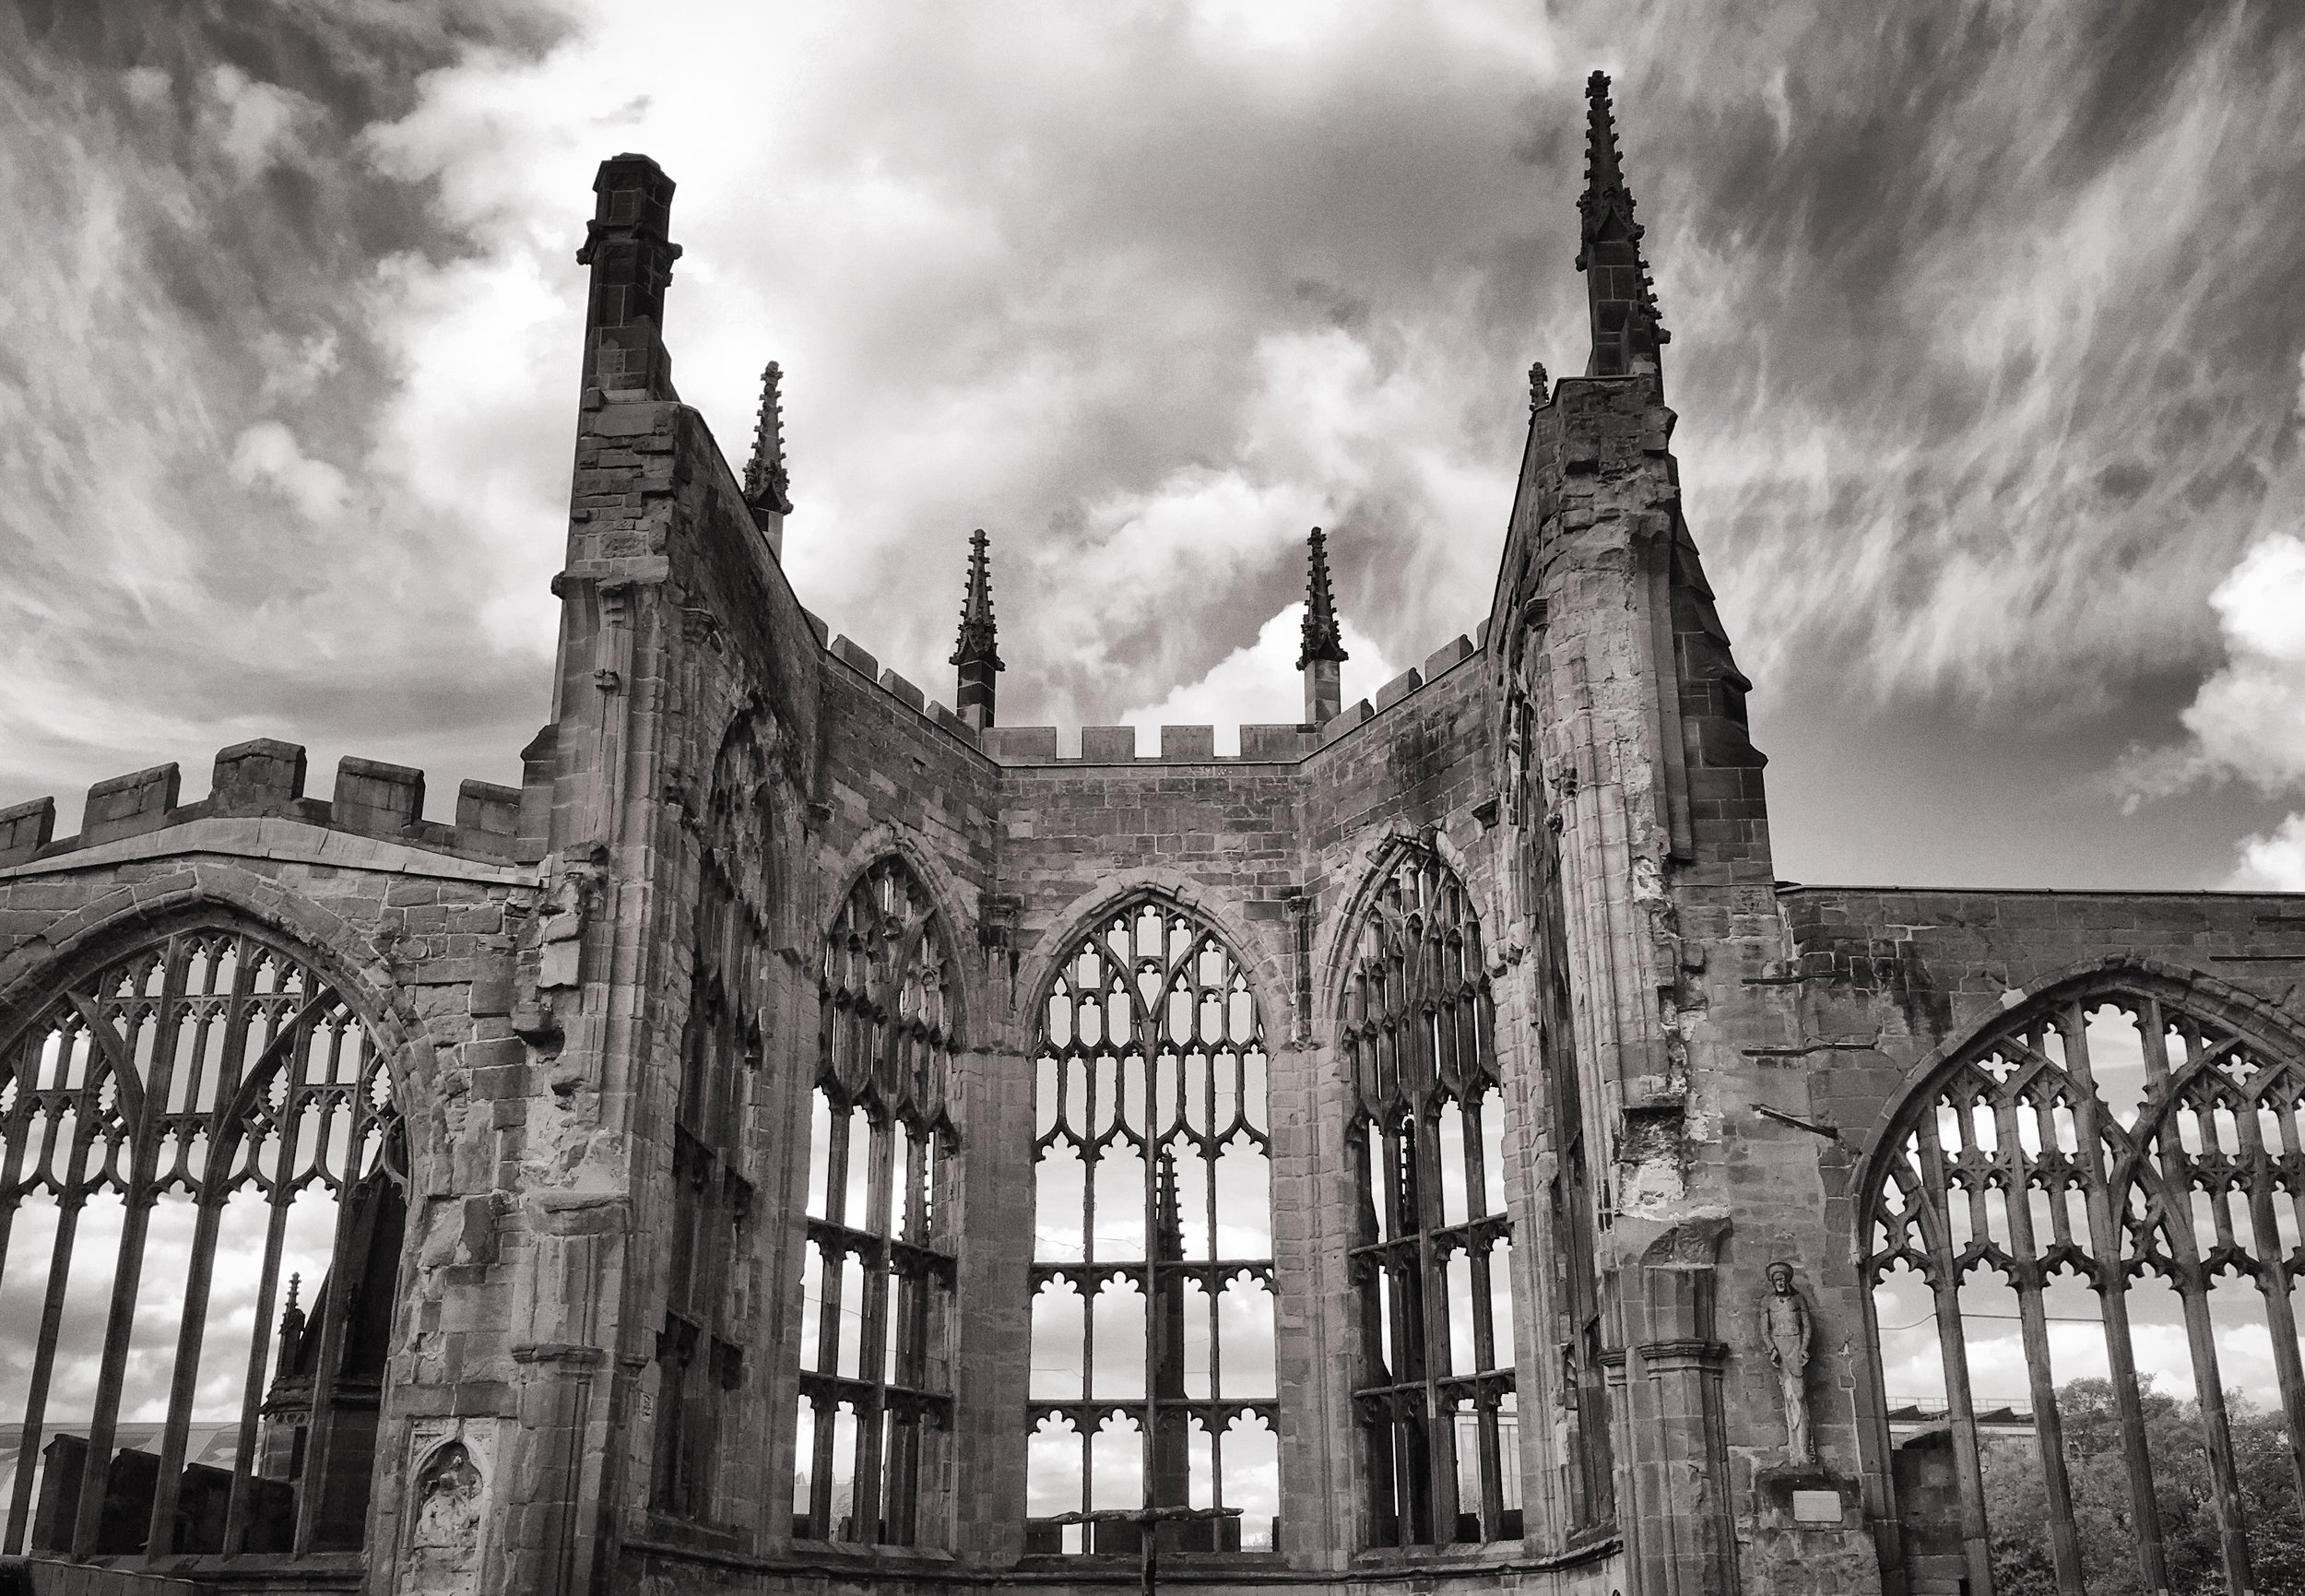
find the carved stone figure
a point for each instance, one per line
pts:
(448, 1514)
(1786, 1325)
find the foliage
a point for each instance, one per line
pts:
(2017, 1499)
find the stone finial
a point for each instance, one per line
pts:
(1540, 386)
(1322, 654)
(630, 254)
(766, 482)
(1627, 329)
(1322, 640)
(977, 654)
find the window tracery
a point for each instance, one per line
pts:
(873, 1454)
(201, 1209)
(2101, 1197)
(700, 1351)
(1152, 1376)
(1437, 1399)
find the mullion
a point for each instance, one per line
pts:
(145, 1137)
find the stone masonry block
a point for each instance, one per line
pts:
(1108, 744)
(260, 777)
(952, 723)
(1447, 655)
(127, 805)
(25, 829)
(1398, 687)
(488, 818)
(1353, 714)
(857, 657)
(377, 800)
(905, 691)
(1022, 744)
(1289, 742)
(816, 624)
(1188, 742)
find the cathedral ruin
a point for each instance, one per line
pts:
(809, 1138)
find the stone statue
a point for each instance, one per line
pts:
(1785, 1322)
(448, 1518)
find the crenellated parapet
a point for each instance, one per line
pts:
(1261, 743)
(263, 779)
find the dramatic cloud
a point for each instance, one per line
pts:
(1257, 685)
(2248, 719)
(1985, 342)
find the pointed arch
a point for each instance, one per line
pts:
(1378, 857)
(1436, 1393)
(201, 1106)
(741, 911)
(1153, 1364)
(941, 896)
(873, 1459)
(2127, 1135)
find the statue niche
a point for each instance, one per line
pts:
(445, 1534)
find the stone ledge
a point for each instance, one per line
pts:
(280, 839)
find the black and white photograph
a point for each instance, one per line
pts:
(1398, 797)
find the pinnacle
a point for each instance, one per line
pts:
(978, 640)
(1322, 640)
(767, 483)
(1627, 329)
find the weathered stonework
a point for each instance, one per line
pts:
(1695, 1059)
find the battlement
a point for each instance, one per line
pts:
(1261, 743)
(265, 779)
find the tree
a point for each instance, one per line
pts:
(2016, 1498)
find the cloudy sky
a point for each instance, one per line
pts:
(1987, 352)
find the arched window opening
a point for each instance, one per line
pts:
(2082, 1243)
(1436, 1399)
(1152, 1378)
(700, 1350)
(873, 1457)
(201, 1210)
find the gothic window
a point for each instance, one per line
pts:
(2083, 1236)
(1153, 1379)
(873, 1454)
(1588, 1462)
(201, 1208)
(1436, 1401)
(700, 1357)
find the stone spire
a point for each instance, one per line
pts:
(1323, 650)
(765, 483)
(978, 651)
(631, 255)
(1626, 331)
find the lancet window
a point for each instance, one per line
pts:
(700, 1353)
(201, 1208)
(1589, 1461)
(1437, 1404)
(874, 1454)
(2083, 1244)
(1153, 1378)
